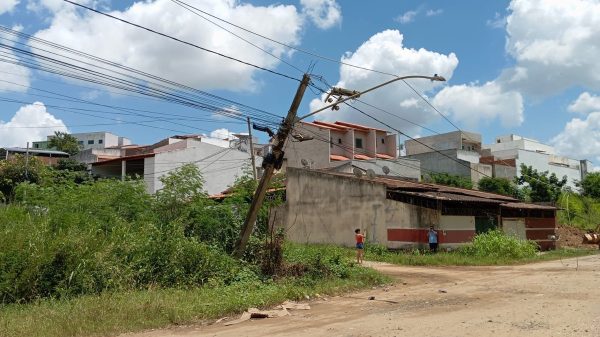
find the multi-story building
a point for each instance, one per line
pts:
(220, 166)
(456, 153)
(342, 147)
(90, 140)
(507, 154)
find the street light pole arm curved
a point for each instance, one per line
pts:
(435, 77)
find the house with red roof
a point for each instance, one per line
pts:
(343, 146)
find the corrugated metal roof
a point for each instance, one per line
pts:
(31, 150)
(139, 156)
(524, 205)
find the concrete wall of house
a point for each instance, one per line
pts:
(362, 137)
(543, 162)
(479, 171)
(315, 151)
(322, 208)
(219, 166)
(336, 146)
(439, 162)
(502, 171)
(371, 145)
(91, 155)
(401, 167)
(447, 141)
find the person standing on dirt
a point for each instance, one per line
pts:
(433, 239)
(360, 245)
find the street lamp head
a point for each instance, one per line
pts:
(439, 78)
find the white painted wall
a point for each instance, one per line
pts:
(219, 166)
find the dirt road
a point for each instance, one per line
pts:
(558, 298)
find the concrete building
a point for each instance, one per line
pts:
(90, 140)
(220, 166)
(325, 207)
(456, 153)
(48, 157)
(507, 154)
(343, 146)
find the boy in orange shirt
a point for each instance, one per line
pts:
(360, 245)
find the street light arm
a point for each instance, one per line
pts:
(435, 77)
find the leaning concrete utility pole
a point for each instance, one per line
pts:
(271, 161)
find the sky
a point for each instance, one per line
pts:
(526, 67)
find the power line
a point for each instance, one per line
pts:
(120, 82)
(191, 10)
(285, 44)
(182, 41)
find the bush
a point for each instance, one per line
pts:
(85, 239)
(317, 261)
(496, 244)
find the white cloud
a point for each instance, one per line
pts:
(118, 42)
(8, 5)
(323, 13)
(580, 138)
(555, 44)
(407, 17)
(18, 131)
(498, 22)
(13, 77)
(585, 103)
(222, 134)
(385, 51)
(472, 104)
(434, 12)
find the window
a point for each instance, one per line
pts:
(91, 141)
(382, 140)
(36, 146)
(80, 142)
(331, 142)
(358, 143)
(100, 141)
(339, 141)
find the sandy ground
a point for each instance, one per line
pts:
(558, 298)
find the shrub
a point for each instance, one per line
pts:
(497, 244)
(85, 239)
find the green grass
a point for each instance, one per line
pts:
(109, 314)
(458, 259)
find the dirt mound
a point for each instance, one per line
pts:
(571, 237)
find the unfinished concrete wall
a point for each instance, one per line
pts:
(322, 208)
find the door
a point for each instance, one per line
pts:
(484, 224)
(514, 227)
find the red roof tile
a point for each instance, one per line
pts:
(362, 157)
(358, 126)
(336, 157)
(383, 156)
(331, 125)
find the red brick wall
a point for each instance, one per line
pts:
(538, 230)
(420, 235)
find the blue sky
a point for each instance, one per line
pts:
(523, 66)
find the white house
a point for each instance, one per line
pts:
(220, 166)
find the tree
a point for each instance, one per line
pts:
(63, 141)
(181, 187)
(449, 180)
(500, 186)
(18, 170)
(544, 187)
(590, 185)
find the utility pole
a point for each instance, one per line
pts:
(27, 162)
(272, 161)
(251, 148)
